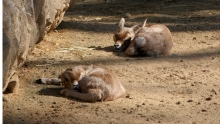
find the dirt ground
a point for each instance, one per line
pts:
(181, 88)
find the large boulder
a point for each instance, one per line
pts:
(24, 24)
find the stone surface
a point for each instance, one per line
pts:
(14, 83)
(24, 24)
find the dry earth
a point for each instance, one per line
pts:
(182, 88)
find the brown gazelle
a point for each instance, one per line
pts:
(95, 84)
(151, 40)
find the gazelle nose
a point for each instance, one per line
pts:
(117, 45)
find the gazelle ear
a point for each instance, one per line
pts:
(135, 27)
(144, 23)
(121, 24)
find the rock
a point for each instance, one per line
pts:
(129, 96)
(24, 24)
(178, 103)
(49, 14)
(190, 100)
(203, 110)
(13, 84)
(208, 99)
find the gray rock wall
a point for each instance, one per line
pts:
(24, 24)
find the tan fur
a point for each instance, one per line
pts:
(157, 38)
(150, 40)
(119, 37)
(95, 84)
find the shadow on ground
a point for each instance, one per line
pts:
(192, 56)
(184, 14)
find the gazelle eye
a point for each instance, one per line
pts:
(66, 80)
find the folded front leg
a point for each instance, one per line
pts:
(92, 95)
(131, 50)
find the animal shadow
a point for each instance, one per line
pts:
(109, 49)
(52, 91)
(106, 49)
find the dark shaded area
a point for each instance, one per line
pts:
(196, 55)
(88, 26)
(56, 93)
(51, 92)
(120, 7)
(181, 13)
(106, 49)
(109, 28)
(9, 118)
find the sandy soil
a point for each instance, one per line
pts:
(182, 88)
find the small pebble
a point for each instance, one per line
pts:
(178, 102)
(203, 110)
(208, 99)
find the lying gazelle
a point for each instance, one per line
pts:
(151, 40)
(94, 84)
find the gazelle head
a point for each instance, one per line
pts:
(124, 35)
